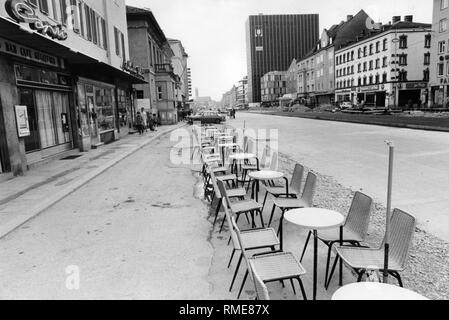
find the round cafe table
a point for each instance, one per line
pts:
(315, 219)
(264, 175)
(375, 291)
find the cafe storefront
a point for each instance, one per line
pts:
(373, 95)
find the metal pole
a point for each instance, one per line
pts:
(389, 196)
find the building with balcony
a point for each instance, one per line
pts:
(179, 63)
(439, 56)
(65, 79)
(388, 67)
(242, 94)
(150, 49)
(273, 86)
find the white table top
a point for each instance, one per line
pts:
(225, 137)
(315, 218)
(228, 145)
(265, 175)
(375, 291)
(242, 156)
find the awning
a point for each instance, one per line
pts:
(14, 32)
(287, 97)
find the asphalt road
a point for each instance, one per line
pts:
(357, 156)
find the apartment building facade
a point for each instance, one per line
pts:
(316, 75)
(179, 63)
(439, 66)
(273, 86)
(65, 79)
(242, 93)
(150, 49)
(388, 68)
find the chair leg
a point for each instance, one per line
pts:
(217, 211)
(398, 277)
(361, 274)
(232, 257)
(272, 215)
(265, 201)
(281, 221)
(236, 272)
(243, 284)
(329, 252)
(305, 246)
(302, 289)
(261, 219)
(293, 286)
(332, 271)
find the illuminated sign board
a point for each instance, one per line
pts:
(23, 12)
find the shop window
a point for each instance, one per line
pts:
(139, 94)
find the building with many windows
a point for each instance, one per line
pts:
(179, 63)
(316, 77)
(386, 68)
(273, 41)
(242, 93)
(273, 86)
(150, 49)
(439, 59)
(65, 79)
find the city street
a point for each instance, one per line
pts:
(357, 156)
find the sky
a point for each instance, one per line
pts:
(213, 31)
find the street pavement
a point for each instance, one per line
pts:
(139, 230)
(356, 155)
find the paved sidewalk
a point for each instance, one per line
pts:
(23, 198)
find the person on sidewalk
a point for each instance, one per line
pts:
(139, 123)
(144, 117)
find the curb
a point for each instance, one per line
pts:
(17, 222)
(402, 126)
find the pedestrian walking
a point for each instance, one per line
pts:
(139, 123)
(144, 119)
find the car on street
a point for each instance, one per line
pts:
(346, 105)
(207, 117)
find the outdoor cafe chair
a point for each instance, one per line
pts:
(306, 200)
(291, 191)
(260, 287)
(362, 259)
(355, 228)
(255, 239)
(241, 207)
(271, 266)
(239, 193)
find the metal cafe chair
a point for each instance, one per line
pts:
(289, 191)
(256, 239)
(260, 287)
(305, 201)
(361, 259)
(241, 207)
(271, 266)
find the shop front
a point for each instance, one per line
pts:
(344, 95)
(412, 95)
(36, 95)
(373, 96)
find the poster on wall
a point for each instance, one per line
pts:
(23, 125)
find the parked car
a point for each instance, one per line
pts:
(207, 117)
(346, 105)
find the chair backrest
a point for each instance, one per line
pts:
(296, 182)
(223, 193)
(359, 215)
(261, 288)
(229, 217)
(274, 161)
(263, 160)
(214, 181)
(402, 230)
(241, 244)
(309, 189)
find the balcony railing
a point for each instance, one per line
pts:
(164, 68)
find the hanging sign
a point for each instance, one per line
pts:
(24, 52)
(23, 12)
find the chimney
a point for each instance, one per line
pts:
(349, 17)
(396, 19)
(408, 18)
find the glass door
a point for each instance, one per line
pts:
(32, 142)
